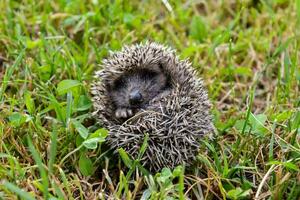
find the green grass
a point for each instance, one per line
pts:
(247, 53)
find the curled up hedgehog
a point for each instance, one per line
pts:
(146, 89)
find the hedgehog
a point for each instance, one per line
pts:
(146, 90)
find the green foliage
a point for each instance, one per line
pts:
(16, 119)
(68, 85)
(198, 30)
(15, 189)
(255, 124)
(247, 53)
(238, 193)
(162, 185)
(85, 165)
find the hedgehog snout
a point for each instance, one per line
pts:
(135, 97)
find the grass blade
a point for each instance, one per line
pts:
(9, 73)
(53, 148)
(15, 189)
(41, 168)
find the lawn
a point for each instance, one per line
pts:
(246, 52)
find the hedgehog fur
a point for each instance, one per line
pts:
(175, 122)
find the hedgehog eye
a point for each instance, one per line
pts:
(160, 65)
(119, 83)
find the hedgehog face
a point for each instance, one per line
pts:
(134, 89)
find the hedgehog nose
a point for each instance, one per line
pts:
(135, 97)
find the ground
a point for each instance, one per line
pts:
(247, 53)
